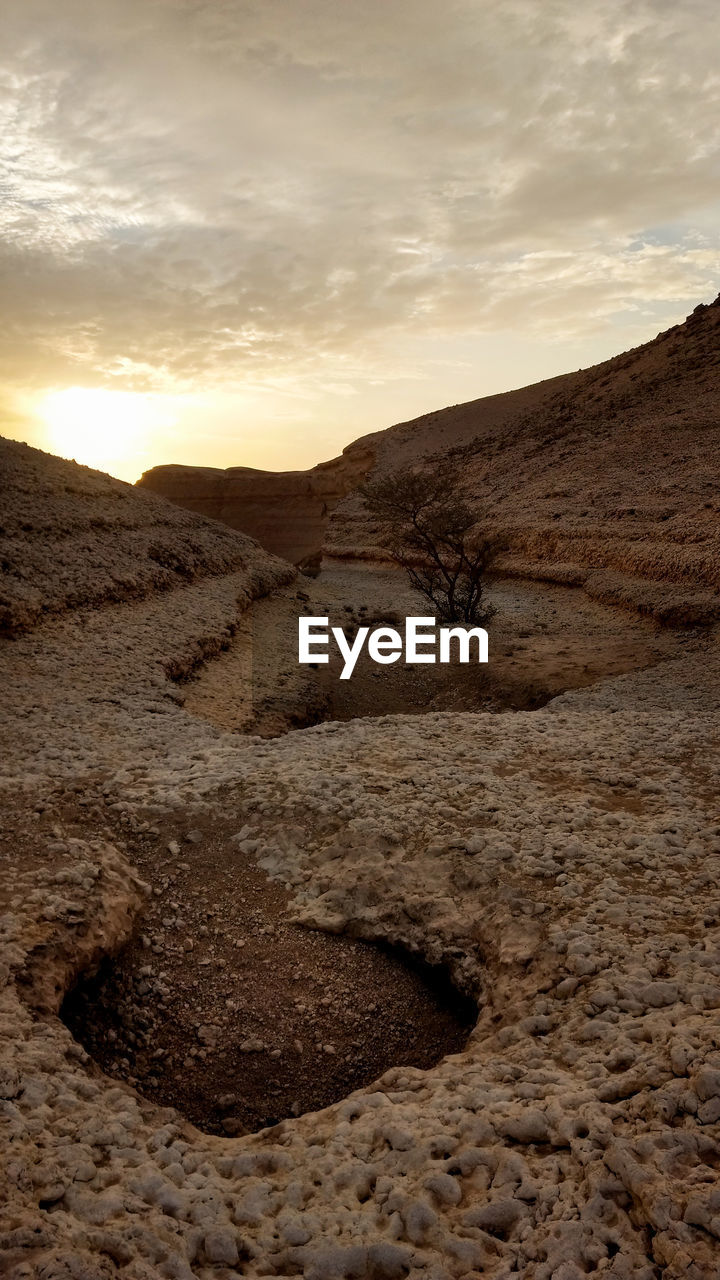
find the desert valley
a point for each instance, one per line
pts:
(411, 975)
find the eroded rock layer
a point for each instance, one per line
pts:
(287, 511)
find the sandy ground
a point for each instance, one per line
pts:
(544, 639)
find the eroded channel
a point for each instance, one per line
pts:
(543, 640)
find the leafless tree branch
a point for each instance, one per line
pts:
(428, 526)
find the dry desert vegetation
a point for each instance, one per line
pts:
(417, 977)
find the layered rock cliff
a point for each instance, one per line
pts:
(287, 511)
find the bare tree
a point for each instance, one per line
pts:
(426, 523)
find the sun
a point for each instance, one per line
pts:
(103, 429)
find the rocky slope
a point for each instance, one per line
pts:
(563, 864)
(605, 478)
(287, 511)
(70, 536)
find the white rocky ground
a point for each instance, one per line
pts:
(563, 863)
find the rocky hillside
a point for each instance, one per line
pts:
(70, 536)
(605, 477)
(287, 511)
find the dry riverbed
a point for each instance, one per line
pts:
(543, 640)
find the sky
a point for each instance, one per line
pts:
(246, 232)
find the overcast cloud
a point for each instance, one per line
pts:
(306, 201)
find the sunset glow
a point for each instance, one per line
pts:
(102, 429)
(307, 222)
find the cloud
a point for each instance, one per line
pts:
(200, 193)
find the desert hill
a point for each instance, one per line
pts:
(614, 467)
(290, 512)
(606, 476)
(71, 536)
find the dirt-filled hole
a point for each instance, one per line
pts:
(326, 1016)
(226, 1010)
